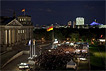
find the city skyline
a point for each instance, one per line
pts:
(51, 12)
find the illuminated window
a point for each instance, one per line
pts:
(23, 31)
(18, 31)
(20, 19)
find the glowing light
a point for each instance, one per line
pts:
(71, 44)
(102, 40)
(67, 51)
(49, 50)
(93, 39)
(101, 36)
(94, 23)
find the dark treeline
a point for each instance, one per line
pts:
(63, 33)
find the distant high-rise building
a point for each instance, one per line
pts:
(79, 21)
(74, 24)
(69, 24)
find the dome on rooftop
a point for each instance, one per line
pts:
(95, 23)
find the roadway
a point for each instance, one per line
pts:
(12, 66)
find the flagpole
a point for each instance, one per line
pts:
(52, 37)
(34, 48)
(24, 13)
(30, 50)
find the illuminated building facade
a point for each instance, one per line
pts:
(25, 20)
(79, 21)
(13, 32)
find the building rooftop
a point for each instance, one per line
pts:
(5, 20)
(24, 16)
(95, 23)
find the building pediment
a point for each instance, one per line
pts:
(14, 22)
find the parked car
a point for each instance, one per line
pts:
(77, 51)
(71, 64)
(82, 59)
(23, 66)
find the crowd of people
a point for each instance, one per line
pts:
(55, 59)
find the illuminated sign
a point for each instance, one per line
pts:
(102, 40)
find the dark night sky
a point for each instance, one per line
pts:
(50, 12)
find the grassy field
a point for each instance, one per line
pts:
(97, 57)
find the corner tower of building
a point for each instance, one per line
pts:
(25, 19)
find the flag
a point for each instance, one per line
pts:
(23, 10)
(29, 42)
(50, 28)
(34, 42)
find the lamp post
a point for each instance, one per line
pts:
(34, 41)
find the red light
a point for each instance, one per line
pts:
(101, 36)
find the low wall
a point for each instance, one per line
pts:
(19, 54)
(44, 45)
(16, 56)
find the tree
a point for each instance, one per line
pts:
(75, 37)
(58, 35)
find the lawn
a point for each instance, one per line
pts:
(102, 54)
(97, 57)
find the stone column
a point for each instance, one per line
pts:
(6, 37)
(10, 37)
(15, 35)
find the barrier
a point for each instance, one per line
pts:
(19, 54)
(15, 56)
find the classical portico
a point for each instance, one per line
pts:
(14, 32)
